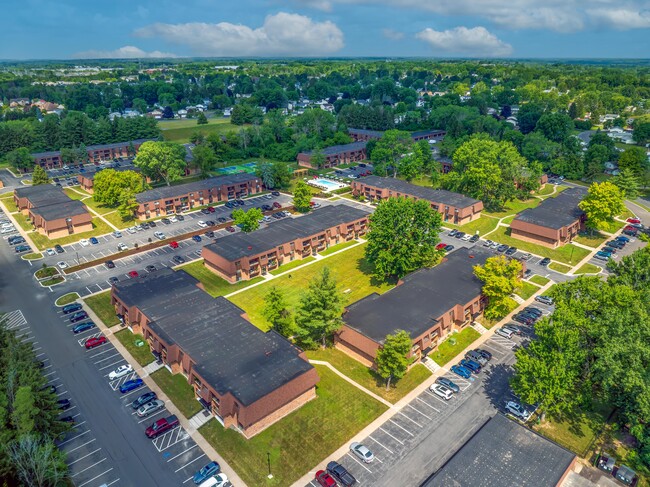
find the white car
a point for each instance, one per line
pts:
(117, 234)
(517, 410)
(150, 408)
(362, 452)
(466, 237)
(173, 219)
(202, 224)
(121, 371)
(84, 242)
(159, 235)
(131, 230)
(219, 480)
(62, 265)
(50, 252)
(121, 246)
(442, 391)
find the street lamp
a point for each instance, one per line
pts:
(268, 458)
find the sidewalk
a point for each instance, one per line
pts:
(185, 422)
(19, 228)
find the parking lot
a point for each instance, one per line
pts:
(355, 172)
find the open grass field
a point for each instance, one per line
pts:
(483, 225)
(101, 304)
(336, 248)
(526, 290)
(181, 130)
(351, 271)
(213, 284)
(567, 253)
(99, 228)
(292, 264)
(142, 354)
(179, 391)
(453, 345)
(24, 222)
(367, 377)
(514, 207)
(302, 439)
(76, 194)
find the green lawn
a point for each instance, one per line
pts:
(24, 222)
(541, 280)
(53, 281)
(591, 240)
(514, 207)
(76, 195)
(508, 220)
(612, 227)
(99, 228)
(101, 305)
(352, 272)
(117, 221)
(567, 253)
(526, 290)
(213, 284)
(336, 248)
(33, 256)
(67, 299)
(559, 267)
(9, 203)
(142, 354)
(298, 442)
(97, 207)
(588, 269)
(181, 130)
(483, 225)
(453, 345)
(368, 378)
(546, 190)
(178, 390)
(292, 264)
(46, 272)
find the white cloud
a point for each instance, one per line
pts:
(392, 34)
(477, 41)
(281, 34)
(126, 52)
(620, 19)
(324, 5)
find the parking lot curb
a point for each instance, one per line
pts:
(20, 229)
(198, 438)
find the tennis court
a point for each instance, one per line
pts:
(249, 167)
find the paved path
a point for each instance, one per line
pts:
(101, 217)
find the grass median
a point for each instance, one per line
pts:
(298, 442)
(453, 345)
(101, 305)
(178, 390)
(485, 224)
(541, 280)
(557, 267)
(67, 299)
(588, 269)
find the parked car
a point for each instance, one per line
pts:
(209, 234)
(81, 327)
(523, 319)
(545, 261)
(487, 243)
(109, 264)
(448, 383)
(544, 299)
(453, 233)
(131, 385)
(159, 235)
(633, 220)
(511, 251)
(461, 371)
(93, 342)
(202, 224)
(230, 229)
(449, 248)
(362, 452)
(221, 220)
(514, 328)
(93, 240)
(150, 408)
(475, 238)
(219, 480)
(340, 474)
(78, 316)
(173, 244)
(441, 391)
(618, 244)
(324, 479)
(71, 308)
(151, 268)
(276, 205)
(63, 404)
(466, 238)
(19, 249)
(502, 248)
(165, 221)
(59, 249)
(459, 235)
(476, 357)
(178, 259)
(517, 410)
(441, 246)
(196, 238)
(133, 274)
(205, 211)
(486, 355)
(504, 332)
(144, 399)
(162, 426)
(472, 365)
(602, 256)
(121, 246)
(62, 264)
(620, 238)
(525, 256)
(631, 233)
(121, 371)
(535, 311)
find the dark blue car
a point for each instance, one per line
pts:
(71, 308)
(206, 472)
(461, 371)
(448, 383)
(131, 385)
(196, 238)
(93, 240)
(475, 367)
(83, 327)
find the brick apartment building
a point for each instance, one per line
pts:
(555, 222)
(243, 256)
(51, 211)
(335, 155)
(428, 304)
(96, 153)
(246, 378)
(366, 135)
(454, 207)
(168, 200)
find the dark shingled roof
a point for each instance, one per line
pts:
(424, 296)
(43, 194)
(182, 189)
(230, 353)
(555, 212)
(372, 133)
(64, 209)
(439, 196)
(504, 453)
(434, 132)
(238, 245)
(338, 149)
(114, 145)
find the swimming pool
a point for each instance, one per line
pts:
(325, 184)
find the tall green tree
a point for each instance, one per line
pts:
(500, 276)
(39, 176)
(277, 313)
(161, 161)
(20, 159)
(555, 126)
(403, 237)
(319, 311)
(302, 197)
(204, 158)
(38, 462)
(112, 187)
(248, 220)
(603, 202)
(390, 150)
(25, 411)
(628, 182)
(317, 158)
(635, 159)
(201, 119)
(392, 357)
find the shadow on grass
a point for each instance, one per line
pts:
(367, 268)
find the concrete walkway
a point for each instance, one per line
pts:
(101, 217)
(20, 229)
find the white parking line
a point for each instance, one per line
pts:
(74, 438)
(95, 478)
(411, 420)
(382, 445)
(189, 463)
(427, 404)
(85, 456)
(398, 441)
(148, 418)
(109, 485)
(353, 458)
(418, 411)
(111, 364)
(436, 397)
(134, 391)
(101, 353)
(181, 453)
(88, 468)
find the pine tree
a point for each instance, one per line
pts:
(275, 311)
(319, 312)
(392, 358)
(201, 119)
(39, 176)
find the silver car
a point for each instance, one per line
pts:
(362, 452)
(150, 407)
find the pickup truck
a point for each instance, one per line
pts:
(161, 426)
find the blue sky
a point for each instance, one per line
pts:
(64, 29)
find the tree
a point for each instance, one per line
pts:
(302, 197)
(595, 159)
(281, 175)
(276, 312)
(168, 112)
(634, 159)
(602, 203)
(317, 158)
(628, 182)
(248, 220)
(392, 357)
(37, 460)
(319, 311)
(390, 149)
(555, 126)
(25, 411)
(39, 176)
(573, 111)
(528, 116)
(403, 237)
(264, 171)
(161, 161)
(112, 187)
(20, 159)
(641, 132)
(204, 158)
(500, 276)
(201, 119)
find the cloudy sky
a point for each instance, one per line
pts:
(63, 29)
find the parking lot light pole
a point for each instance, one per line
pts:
(268, 458)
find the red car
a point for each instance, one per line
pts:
(94, 342)
(325, 479)
(441, 246)
(173, 244)
(230, 229)
(633, 220)
(276, 205)
(133, 274)
(630, 228)
(211, 209)
(161, 426)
